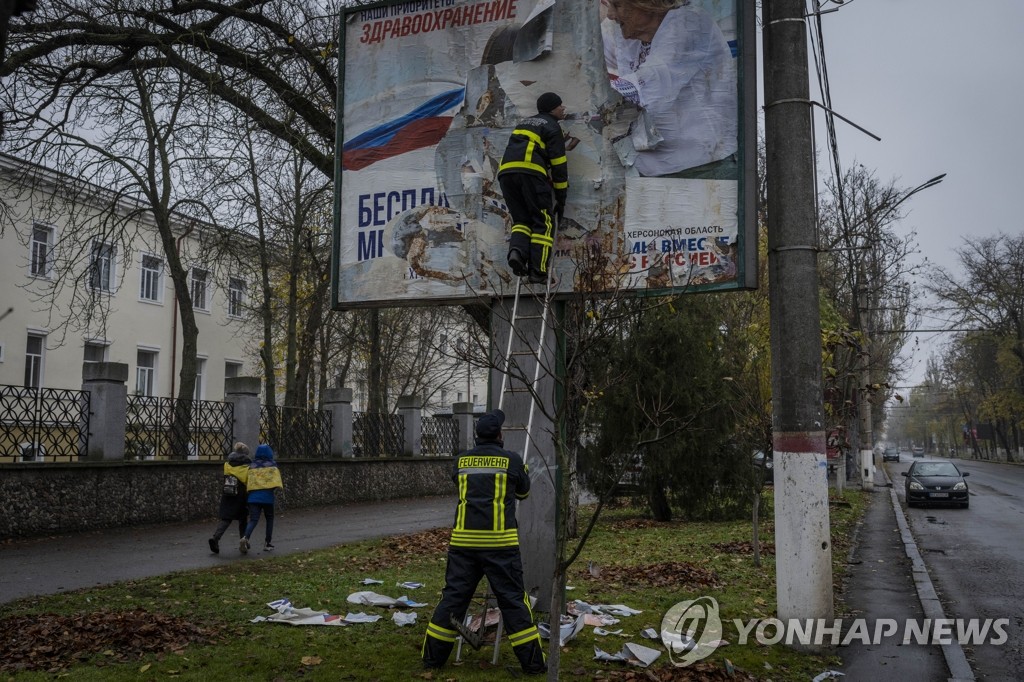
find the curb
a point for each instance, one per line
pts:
(956, 660)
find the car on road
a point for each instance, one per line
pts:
(766, 465)
(918, 451)
(936, 482)
(891, 454)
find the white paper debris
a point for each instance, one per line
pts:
(633, 654)
(371, 581)
(409, 585)
(404, 618)
(828, 675)
(604, 633)
(361, 618)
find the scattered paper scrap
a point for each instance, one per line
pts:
(404, 618)
(361, 618)
(566, 631)
(599, 620)
(370, 599)
(650, 633)
(616, 609)
(410, 585)
(604, 633)
(286, 613)
(371, 581)
(828, 675)
(374, 599)
(633, 654)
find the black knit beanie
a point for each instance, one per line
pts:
(549, 101)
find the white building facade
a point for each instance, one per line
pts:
(84, 278)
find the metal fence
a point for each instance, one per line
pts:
(296, 433)
(169, 428)
(377, 435)
(440, 436)
(43, 424)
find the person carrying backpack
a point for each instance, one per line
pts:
(233, 502)
(264, 481)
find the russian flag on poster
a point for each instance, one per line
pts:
(424, 126)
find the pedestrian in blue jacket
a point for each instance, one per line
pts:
(264, 482)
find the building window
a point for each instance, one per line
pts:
(95, 352)
(152, 271)
(34, 360)
(200, 279)
(232, 370)
(145, 373)
(41, 264)
(200, 390)
(236, 296)
(101, 275)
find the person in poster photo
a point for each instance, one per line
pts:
(671, 59)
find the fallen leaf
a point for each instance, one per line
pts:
(311, 660)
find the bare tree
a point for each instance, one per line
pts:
(989, 297)
(271, 60)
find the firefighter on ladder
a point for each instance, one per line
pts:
(534, 179)
(485, 542)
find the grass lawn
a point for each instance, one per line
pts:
(195, 625)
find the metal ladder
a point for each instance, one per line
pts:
(505, 389)
(534, 353)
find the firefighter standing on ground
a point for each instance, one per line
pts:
(485, 542)
(534, 179)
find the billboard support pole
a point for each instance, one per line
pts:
(803, 543)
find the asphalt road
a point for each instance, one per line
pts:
(976, 557)
(58, 564)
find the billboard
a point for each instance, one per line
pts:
(660, 195)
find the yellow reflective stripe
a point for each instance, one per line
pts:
(524, 636)
(521, 229)
(542, 240)
(460, 515)
(438, 632)
(559, 161)
(530, 135)
(561, 185)
(523, 164)
(487, 532)
(508, 538)
(500, 483)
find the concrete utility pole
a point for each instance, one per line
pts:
(867, 457)
(803, 549)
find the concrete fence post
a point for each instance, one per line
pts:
(244, 394)
(462, 413)
(411, 409)
(107, 385)
(338, 401)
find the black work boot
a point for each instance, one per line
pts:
(517, 263)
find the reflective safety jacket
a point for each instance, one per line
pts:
(537, 147)
(490, 480)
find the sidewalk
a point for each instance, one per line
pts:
(69, 562)
(888, 580)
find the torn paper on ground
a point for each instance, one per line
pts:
(374, 599)
(566, 631)
(604, 633)
(361, 618)
(409, 585)
(404, 618)
(286, 613)
(371, 581)
(633, 654)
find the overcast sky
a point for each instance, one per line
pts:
(941, 83)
